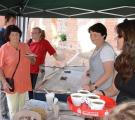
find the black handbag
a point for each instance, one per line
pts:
(10, 81)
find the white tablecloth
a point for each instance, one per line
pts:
(63, 114)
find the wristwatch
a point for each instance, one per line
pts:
(95, 86)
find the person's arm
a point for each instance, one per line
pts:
(51, 50)
(32, 59)
(6, 86)
(2, 78)
(107, 56)
(108, 71)
(111, 91)
(58, 57)
(30, 55)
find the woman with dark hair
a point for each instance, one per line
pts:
(124, 82)
(10, 19)
(101, 69)
(13, 60)
(10, 29)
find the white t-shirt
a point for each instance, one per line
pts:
(107, 54)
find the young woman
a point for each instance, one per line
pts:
(124, 82)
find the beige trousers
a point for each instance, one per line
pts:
(15, 102)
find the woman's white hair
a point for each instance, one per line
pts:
(124, 111)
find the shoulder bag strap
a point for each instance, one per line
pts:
(16, 66)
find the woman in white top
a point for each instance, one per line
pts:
(102, 60)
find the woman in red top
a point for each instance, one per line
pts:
(39, 46)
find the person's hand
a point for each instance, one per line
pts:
(31, 54)
(92, 87)
(6, 87)
(97, 92)
(31, 57)
(59, 57)
(86, 87)
(89, 87)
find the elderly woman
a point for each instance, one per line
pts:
(124, 111)
(13, 53)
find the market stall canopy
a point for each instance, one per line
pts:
(69, 8)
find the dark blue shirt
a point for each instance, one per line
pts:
(2, 36)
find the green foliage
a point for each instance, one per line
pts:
(63, 37)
